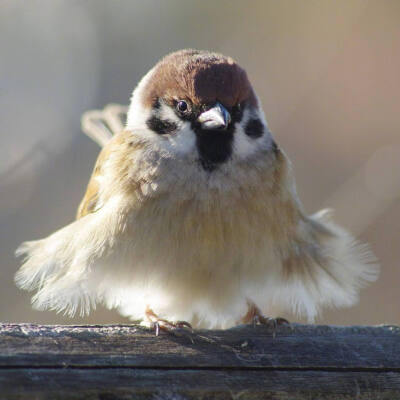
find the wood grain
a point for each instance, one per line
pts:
(130, 362)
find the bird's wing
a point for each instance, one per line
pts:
(59, 266)
(98, 190)
(91, 200)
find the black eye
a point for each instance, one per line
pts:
(182, 106)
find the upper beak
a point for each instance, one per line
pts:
(216, 117)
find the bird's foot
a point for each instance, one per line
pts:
(272, 322)
(179, 328)
(255, 316)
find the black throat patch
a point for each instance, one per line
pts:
(214, 146)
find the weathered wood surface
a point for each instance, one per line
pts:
(130, 362)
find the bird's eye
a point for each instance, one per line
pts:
(182, 106)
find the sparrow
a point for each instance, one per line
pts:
(191, 214)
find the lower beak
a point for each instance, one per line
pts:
(216, 118)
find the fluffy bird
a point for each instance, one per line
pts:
(191, 214)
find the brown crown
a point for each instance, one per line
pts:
(200, 77)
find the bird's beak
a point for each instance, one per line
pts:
(215, 118)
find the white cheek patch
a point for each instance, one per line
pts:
(183, 142)
(166, 113)
(137, 117)
(245, 146)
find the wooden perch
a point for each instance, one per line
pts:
(130, 362)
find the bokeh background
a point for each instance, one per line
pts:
(327, 73)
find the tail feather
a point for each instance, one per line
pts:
(101, 125)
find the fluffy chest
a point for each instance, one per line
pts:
(217, 229)
(181, 216)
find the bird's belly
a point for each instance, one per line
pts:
(195, 265)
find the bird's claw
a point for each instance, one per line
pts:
(179, 328)
(272, 323)
(256, 317)
(183, 325)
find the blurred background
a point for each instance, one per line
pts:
(327, 73)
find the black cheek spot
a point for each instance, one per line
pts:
(254, 128)
(160, 126)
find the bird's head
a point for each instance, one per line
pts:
(201, 106)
